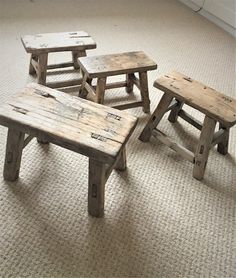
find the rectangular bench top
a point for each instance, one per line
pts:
(114, 64)
(82, 126)
(205, 99)
(55, 42)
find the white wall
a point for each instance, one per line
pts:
(224, 9)
(198, 2)
(221, 12)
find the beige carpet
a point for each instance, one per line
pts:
(159, 221)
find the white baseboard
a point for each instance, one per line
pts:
(230, 29)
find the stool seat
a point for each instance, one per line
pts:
(114, 64)
(56, 42)
(93, 130)
(103, 66)
(179, 90)
(203, 98)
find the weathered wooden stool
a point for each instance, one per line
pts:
(41, 45)
(129, 63)
(94, 130)
(179, 89)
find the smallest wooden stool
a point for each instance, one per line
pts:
(40, 45)
(179, 89)
(129, 63)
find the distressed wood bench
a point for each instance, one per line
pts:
(96, 131)
(40, 45)
(128, 63)
(179, 90)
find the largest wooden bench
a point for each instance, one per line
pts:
(91, 129)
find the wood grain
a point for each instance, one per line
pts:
(42, 68)
(203, 147)
(104, 66)
(114, 64)
(100, 90)
(185, 153)
(188, 118)
(215, 106)
(155, 117)
(222, 147)
(14, 148)
(121, 161)
(173, 116)
(205, 99)
(32, 70)
(96, 188)
(55, 42)
(144, 91)
(129, 83)
(74, 123)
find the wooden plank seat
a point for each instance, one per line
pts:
(103, 66)
(94, 130)
(40, 45)
(179, 90)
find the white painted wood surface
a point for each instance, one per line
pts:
(221, 12)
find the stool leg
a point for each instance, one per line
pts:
(96, 188)
(42, 140)
(156, 117)
(121, 163)
(89, 80)
(82, 92)
(32, 70)
(175, 111)
(203, 148)
(76, 55)
(144, 91)
(222, 147)
(100, 90)
(14, 148)
(43, 61)
(129, 83)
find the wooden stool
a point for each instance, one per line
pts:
(41, 45)
(94, 130)
(179, 89)
(101, 67)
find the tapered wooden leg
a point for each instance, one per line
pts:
(43, 61)
(144, 91)
(96, 190)
(121, 163)
(100, 90)
(82, 92)
(75, 55)
(156, 117)
(89, 80)
(41, 139)
(129, 83)
(203, 148)
(222, 147)
(32, 70)
(15, 144)
(175, 111)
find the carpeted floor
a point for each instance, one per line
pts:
(159, 221)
